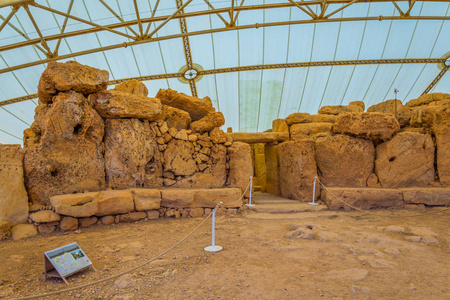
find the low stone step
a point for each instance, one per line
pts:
(267, 203)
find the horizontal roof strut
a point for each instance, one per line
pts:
(264, 67)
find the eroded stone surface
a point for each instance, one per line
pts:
(428, 196)
(362, 198)
(297, 170)
(208, 122)
(240, 166)
(272, 170)
(146, 199)
(132, 86)
(344, 160)
(64, 152)
(406, 160)
(197, 108)
(375, 126)
(175, 117)
(305, 130)
(298, 118)
(177, 198)
(230, 197)
(178, 158)
(23, 231)
(70, 76)
(337, 109)
(45, 216)
(117, 104)
(132, 158)
(14, 198)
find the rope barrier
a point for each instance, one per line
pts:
(240, 198)
(374, 213)
(126, 271)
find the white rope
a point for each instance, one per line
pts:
(240, 198)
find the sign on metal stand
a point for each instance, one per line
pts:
(65, 261)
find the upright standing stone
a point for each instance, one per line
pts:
(344, 160)
(298, 170)
(241, 167)
(272, 170)
(64, 149)
(132, 158)
(13, 196)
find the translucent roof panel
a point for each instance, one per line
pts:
(256, 60)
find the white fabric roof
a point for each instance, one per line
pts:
(278, 58)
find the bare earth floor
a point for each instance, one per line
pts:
(301, 255)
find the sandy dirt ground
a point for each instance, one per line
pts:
(310, 255)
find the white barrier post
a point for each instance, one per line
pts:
(251, 190)
(314, 193)
(214, 248)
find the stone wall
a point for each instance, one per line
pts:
(390, 146)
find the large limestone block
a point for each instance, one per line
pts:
(230, 197)
(146, 199)
(304, 130)
(13, 196)
(132, 158)
(214, 175)
(178, 158)
(337, 109)
(362, 198)
(45, 216)
(117, 104)
(298, 118)
(427, 99)
(394, 107)
(132, 86)
(272, 170)
(441, 130)
(65, 155)
(375, 126)
(208, 122)
(70, 76)
(80, 205)
(23, 231)
(428, 196)
(175, 117)
(241, 167)
(358, 103)
(259, 137)
(114, 202)
(177, 198)
(196, 107)
(344, 160)
(406, 160)
(297, 170)
(323, 118)
(280, 125)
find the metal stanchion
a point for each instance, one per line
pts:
(314, 193)
(214, 248)
(251, 190)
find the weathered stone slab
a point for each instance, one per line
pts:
(87, 222)
(63, 154)
(358, 103)
(362, 198)
(70, 76)
(441, 130)
(375, 126)
(45, 216)
(218, 136)
(177, 198)
(117, 104)
(132, 158)
(197, 108)
(132, 217)
(298, 118)
(132, 86)
(394, 107)
(23, 231)
(259, 137)
(297, 170)
(428, 196)
(406, 160)
(427, 99)
(68, 223)
(178, 158)
(344, 160)
(272, 170)
(337, 109)
(114, 202)
(211, 197)
(241, 167)
(146, 199)
(208, 122)
(175, 117)
(323, 118)
(5, 231)
(13, 196)
(305, 130)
